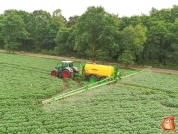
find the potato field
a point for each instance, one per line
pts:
(134, 105)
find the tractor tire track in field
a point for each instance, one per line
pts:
(65, 88)
(78, 83)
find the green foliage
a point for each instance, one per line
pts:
(127, 58)
(57, 16)
(11, 46)
(43, 29)
(94, 30)
(72, 21)
(134, 105)
(64, 41)
(13, 30)
(102, 55)
(161, 37)
(133, 38)
(1, 38)
(51, 31)
(156, 81)
(95, 35)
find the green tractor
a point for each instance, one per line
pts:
(66, 70)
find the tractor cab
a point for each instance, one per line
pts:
(64, 64)
(67, 64)
(65, 70)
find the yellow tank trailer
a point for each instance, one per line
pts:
(90, 71)
(95, 72)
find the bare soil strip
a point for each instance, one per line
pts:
(78, 83)
(64, 88)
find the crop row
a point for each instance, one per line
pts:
(109, 109)
(162, 82)
(90, 112)
(76, 115)
(30, 62)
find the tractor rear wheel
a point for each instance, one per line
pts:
(66, 74)
(93, 79)
(54, 73)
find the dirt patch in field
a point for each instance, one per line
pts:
(164, 71)
(168, 106)
(78, 83)
(64, 88)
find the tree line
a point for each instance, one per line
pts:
(97, 35)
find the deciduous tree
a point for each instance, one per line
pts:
(96, 29)
(13, 31)
(133, 39)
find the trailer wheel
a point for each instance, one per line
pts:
(66, 74)
(93, 79)
(54, 73)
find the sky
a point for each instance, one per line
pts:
(78, 7)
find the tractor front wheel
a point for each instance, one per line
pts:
(66, 74)
(54, 73)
